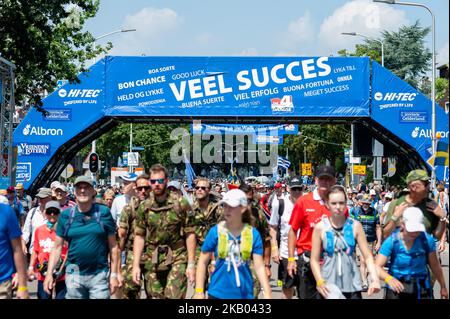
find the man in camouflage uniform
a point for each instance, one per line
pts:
(127, 221)
(162, 224)
(206, 212)
(262, 226)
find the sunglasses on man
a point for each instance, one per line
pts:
(203, 188)
(141, 188)
(159, 180)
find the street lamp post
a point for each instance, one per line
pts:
(378, 145)
(111, 33)
(433, 78)
(93, 147)
(364, 36)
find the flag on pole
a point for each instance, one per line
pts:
(232, 177)
(441, 157)
(441, 154)
(283, 162)
(189, 171)
(275, 173)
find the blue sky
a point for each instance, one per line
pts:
(256, 27)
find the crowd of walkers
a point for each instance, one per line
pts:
(154, 237)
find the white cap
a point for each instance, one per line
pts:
(388, 195)
(54, 184)
(61, 187)
(129, 177)
(413, 219)
(175, 184)
(372, 192)
(234, 198)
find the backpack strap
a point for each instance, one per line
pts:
(423, 238)
(329, 249)
(280, 214)
(349, 236)
(31, 219)
(222, 240)
(246, 242)
(97, 216)
(69, 221)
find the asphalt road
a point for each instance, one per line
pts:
(276, 291)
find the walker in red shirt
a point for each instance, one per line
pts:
(44, 240)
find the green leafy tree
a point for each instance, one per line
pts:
(405, 53)
(45, 40)
(154, 138)
(441, 88)
(321, 143)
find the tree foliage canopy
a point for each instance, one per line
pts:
(45, 40)
(405, 53)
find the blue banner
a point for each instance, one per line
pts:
(406, 112)
(237, 86)
(237, 129)
(259, 87)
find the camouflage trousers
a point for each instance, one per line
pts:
(167, 284)
(130, 290)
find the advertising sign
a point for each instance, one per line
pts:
(307, 169)
(359, 169)
(406, 113)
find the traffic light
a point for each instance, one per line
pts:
(93, 162)
(384, 166)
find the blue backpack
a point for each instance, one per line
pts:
(423, 250)
(333, 235)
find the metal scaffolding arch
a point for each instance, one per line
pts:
(6, 121)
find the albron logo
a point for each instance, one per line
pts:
(397, 97)
(41, 131)
(426, 133)
(78, 93)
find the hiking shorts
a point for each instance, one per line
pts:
(306, 288)
(94, 286)
(283, 276)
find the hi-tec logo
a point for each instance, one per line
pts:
(79, 93)
(28, 130)
(423, 133)
(405, 97)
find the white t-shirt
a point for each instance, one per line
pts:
(35, 218)
(284, 225)
(118, 204)
(385, 210)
